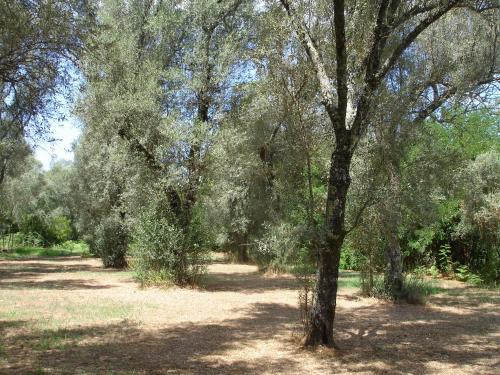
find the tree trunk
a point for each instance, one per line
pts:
(238, 247)
(325, 294)
(242, 254)
(3, 170)
(310, 203)
(394, 275)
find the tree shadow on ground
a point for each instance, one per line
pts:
(257, 282)
(246, 282)
(374, 338)
(407, 338)
(34, 269)
(62, 284)
(467, 297)
(28, 275)
(390, 338)
(188, 348)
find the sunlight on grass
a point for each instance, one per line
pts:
(26, 252)
(68, 248)
(349, 280)
(34, 312)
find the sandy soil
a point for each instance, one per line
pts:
(69, 315)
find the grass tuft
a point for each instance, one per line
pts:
(417, 290)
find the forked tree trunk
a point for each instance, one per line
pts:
(325, 294)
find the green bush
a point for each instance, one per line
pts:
(32, 239)
(19, 239)
(434, 271)
(445, 262)
(162, 254)
(51, 230)
(76, 247)
(59, 229)
(351, 258)
(111, 242)
(463, 273)
(373, 285)
(417, 290)
(36, 225)
(278, 249)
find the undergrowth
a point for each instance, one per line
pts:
(68, 248)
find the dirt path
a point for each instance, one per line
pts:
(69, 315)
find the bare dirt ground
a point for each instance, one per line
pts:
(68, 315)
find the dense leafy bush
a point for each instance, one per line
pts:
(59, 229)
(351, 258)
(463, 273)
(278, 249)
(36, 225)
(50, 229)
(162, 254)
(19, 239)
(111, 242)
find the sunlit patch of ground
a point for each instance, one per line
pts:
(69, 315)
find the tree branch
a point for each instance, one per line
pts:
(341, 55)
(326, 88)
(139, 148)
(410, 38)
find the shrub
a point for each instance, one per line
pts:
(59, 229)
(76, 247)
(434, 271)
(305, 272)
(417, 290)
(35, 224)
(278, 249)
(351, 258)
(111, 242)
(373, 285)
(20, 239)
(162, 254)
(463, 273)
(33, 239)
(445, 263)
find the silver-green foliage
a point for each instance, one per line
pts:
(479, 220)
(278, 248)
(111, 242)
(162, 253)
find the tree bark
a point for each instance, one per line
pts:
(394, 275)
(325, 294)
(310, 202)
(3, 170)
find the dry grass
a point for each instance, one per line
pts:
(69, 315)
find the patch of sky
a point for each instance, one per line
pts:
(64, 128)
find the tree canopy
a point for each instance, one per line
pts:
(303, 136)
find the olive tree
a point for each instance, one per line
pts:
(354, 49)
